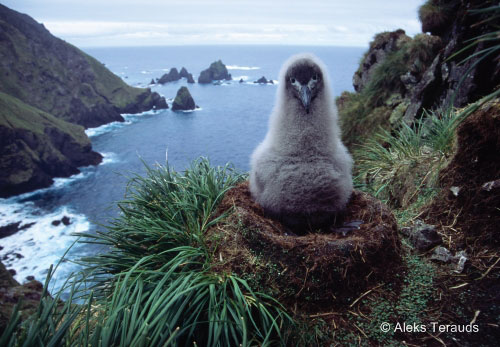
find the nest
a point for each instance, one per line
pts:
(312, 270)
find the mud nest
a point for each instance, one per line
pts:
(309, 272)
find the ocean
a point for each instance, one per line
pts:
(231, 121)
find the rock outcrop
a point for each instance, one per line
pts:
(400, 77)
(216, 72)
(190, 78)
(183, 100)
(172, 76)
(184, 73)
(383, 44)
(11, 293)
(263, 80)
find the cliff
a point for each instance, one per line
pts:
(36, 146)
(56, 77)
(49, 91)
(400, 77)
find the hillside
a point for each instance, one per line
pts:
(49, 91)
(58, 78)
(36, 146)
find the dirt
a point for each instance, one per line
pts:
(472, 217)
(313, 272)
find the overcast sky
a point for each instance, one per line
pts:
(90, 23)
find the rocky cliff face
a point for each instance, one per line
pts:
(36, 146)
(50, 91)
(400, 77)
(56, 77)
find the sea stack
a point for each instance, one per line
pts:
(183, 100)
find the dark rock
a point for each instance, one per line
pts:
(241, 80)
(12, 272)
(262, 80)
(13, 228)
(11, 293)
(383, 44)
(9, 229)
(184, 73)
(171, 76)
(216, 72)
(190, 78)
(30, 278)
(56, 222)
(422, 92)
(152, 81)
(422, 236)
(183, 100)
(66, 220)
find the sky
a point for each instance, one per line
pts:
(95, 23)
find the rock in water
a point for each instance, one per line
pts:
(183, 100)
(262, 80)
(171, 76)
(216, 72)
(184, 72)
(190, 78)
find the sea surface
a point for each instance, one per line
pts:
(231, 121)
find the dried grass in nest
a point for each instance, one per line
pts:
(310, 272)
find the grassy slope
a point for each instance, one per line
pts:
(112, 87)
(49, 73)
(15, 114)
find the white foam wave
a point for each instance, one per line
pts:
(102, 129)
(59, 182)
(237, 67)
(109, 158)
(129, 119)
(190, 111)
(32, 250)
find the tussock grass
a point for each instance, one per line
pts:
(402, 167)
(155, 285)
(435, 15)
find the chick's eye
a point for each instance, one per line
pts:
(292, 80)
(315, 77)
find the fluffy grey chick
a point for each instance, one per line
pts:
(301, 172)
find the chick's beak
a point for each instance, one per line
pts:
(305, 97)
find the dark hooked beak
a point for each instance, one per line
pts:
(305, 97)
